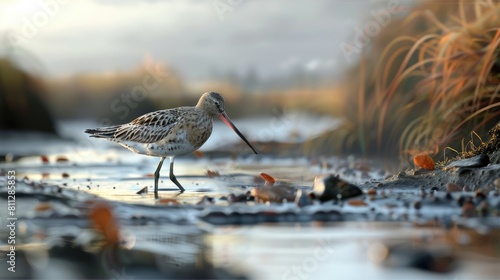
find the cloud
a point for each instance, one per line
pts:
(188, 35)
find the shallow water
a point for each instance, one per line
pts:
(382, 244)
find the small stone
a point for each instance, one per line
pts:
(274, 193)
(480, 196)
(62, 159)
(143, 191)
(468, 209)
(451, 187)
(205, 200)
(496, 182)
(372, 191)
(65, 175)
(417, 205)
(231, 198)
(212, 174)
(302, 199)
(461, 200)
(241, 198)
(473, 162)
(448, 196)
(328, 187)
(483, 208)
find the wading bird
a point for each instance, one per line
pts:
(171, 132)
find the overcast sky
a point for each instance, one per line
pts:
(194, 37)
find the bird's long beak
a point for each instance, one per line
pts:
(223, 116)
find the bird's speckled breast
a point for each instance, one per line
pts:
(190, 134)
(199, 130)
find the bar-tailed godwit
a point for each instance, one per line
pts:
(171, 132)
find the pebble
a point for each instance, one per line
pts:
(212, 174)
(451, 187)
(205, 200)
(461, 200)
(143, 191)
(274, 193)
(448, 196)
(468, 209)
(372, 191)
(496, 182)
(473, 162)
(417, 205)
(302, 199)
(480, 195)
(483, 208)
(328, 187)
(62, 159)
(231, 198)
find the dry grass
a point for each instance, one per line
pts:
(427, 81)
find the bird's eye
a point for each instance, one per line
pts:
(218, 106)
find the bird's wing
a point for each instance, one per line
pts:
(149, 128)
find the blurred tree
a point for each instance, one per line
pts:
(21, 107)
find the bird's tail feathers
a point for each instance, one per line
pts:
(102, 132)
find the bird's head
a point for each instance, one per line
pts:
(212, 103)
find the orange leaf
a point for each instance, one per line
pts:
(212, 174)
(103, 220)
(45, 159)
(198, 153)
(424, 161)
(62, 159)
(267, 177)
(356, 202)
(168, 201)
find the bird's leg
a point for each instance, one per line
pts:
(172, 176)
(157, 176)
